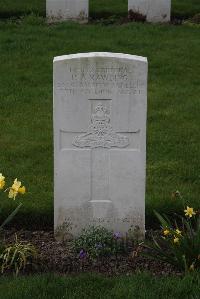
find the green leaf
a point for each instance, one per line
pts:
(11, 216)
(163, 221)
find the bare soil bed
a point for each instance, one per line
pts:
(59, 257)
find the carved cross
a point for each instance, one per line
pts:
(101, 139)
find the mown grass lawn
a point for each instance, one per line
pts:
(98, 8)
(27, 48)
(140, 286)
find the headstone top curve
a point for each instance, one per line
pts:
(99, 54)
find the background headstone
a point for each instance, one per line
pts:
(67, 10)
(100, 102)
(154, 10)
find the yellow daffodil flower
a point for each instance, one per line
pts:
(166, 232)
(15, 189)
(22, 190)
(189, 212)
(178, 232)
(12, 193)
(16, 185)
(2, 181)
(176, 240)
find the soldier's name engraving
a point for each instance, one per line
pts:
(100, 80)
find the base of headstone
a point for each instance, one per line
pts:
(154, 11)
(71, 10)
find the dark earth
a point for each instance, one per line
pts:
(59, 257)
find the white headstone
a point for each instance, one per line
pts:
(100, 103)
(67, 9)
(154, 10)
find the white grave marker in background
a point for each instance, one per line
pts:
(67, 10)
(100, 103)
(154, 10)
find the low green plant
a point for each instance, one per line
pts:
(17, 256)
(194, 21)
(97, 241)
(2, 247)
(14, 190)
(179, 243)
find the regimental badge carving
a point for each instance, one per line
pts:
(100, 132)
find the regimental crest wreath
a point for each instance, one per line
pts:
(100, 132)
